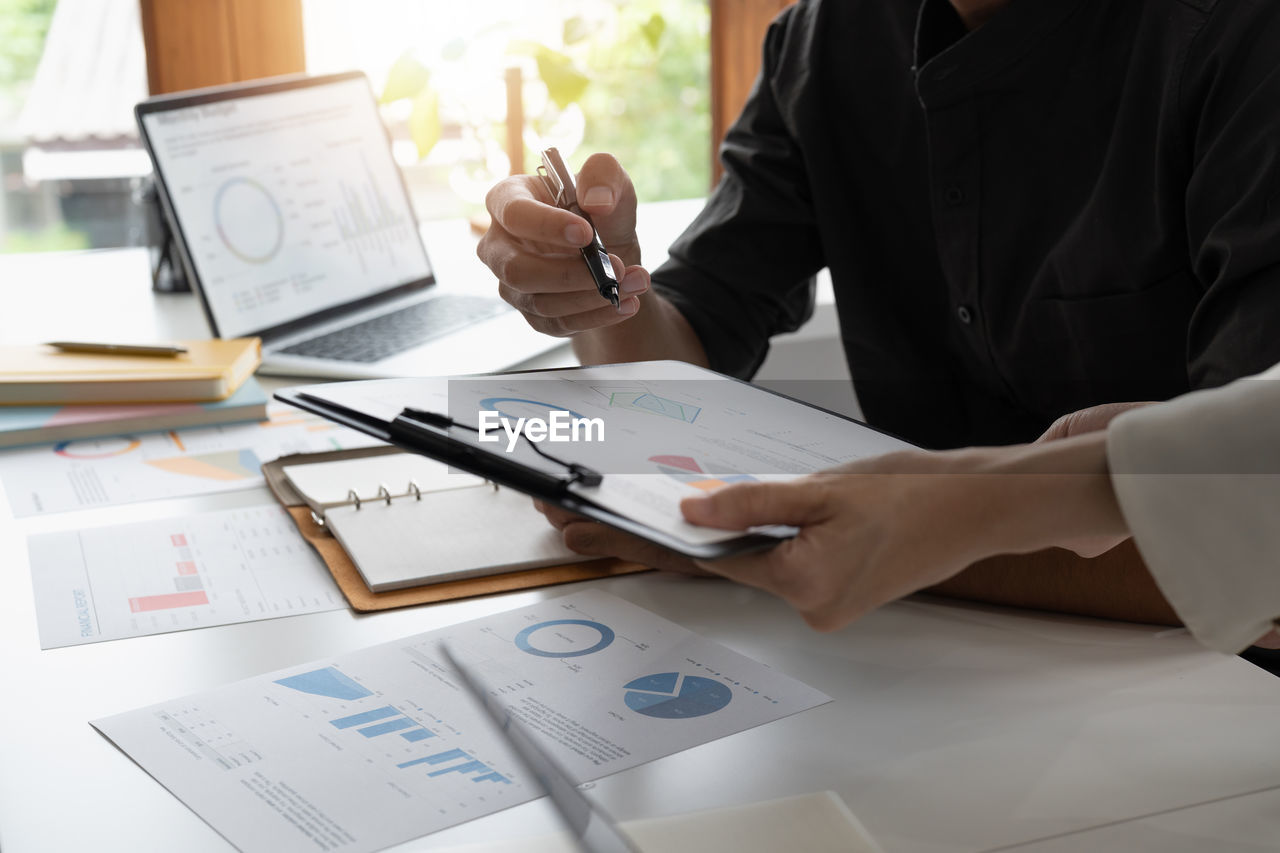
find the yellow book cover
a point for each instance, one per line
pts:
(40, 375)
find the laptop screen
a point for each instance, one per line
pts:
(288, 201)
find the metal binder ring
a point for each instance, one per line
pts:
(414, 489)
(384, 493)
(353, 497)
(317, 518)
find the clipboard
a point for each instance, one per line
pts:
(563, 481)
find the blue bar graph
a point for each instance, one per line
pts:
(492, 777)
(413, 763)
(469, 767)
(326, 682)
(365, 717)
(438, 758)
(387, 727)
(417, 735)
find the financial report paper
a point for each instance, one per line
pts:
(192, 571)
(382, 745)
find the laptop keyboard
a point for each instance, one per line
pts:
(380, 337)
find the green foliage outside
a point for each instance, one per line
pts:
(640, 75)
(649, 102)
(53, 238)
(23, 24)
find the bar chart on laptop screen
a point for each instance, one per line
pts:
(289, 202)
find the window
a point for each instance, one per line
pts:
(70, 73)
(595, 75)
(629, 78)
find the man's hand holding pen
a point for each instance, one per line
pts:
(534, 248)
(559, 182)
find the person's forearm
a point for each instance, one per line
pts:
(657, 331)
(1058, 493)
(1115, 585)
(1051, 494)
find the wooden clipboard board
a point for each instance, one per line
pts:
(361, 598)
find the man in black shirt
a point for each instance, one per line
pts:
(1027, 208)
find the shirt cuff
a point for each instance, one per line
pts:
(1198, 481)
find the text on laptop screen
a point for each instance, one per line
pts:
(289, 202)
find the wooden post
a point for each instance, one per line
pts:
(515, 119)
(194, 43)
(737, 33)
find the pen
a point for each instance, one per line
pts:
(159, 350)
(555, 175)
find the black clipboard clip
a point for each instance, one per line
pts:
(433, 428)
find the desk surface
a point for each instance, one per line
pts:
(107, 292)
(954, 727)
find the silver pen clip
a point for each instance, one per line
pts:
(558, 180)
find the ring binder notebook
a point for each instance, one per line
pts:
(353, 585)
(413, 490)
(353, 499)
(437, 529)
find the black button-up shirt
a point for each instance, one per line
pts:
(1077, 203)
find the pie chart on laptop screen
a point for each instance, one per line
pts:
(672, 696)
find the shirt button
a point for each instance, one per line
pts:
(965, 315)
(953, 195)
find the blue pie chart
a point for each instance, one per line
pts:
(670, 696)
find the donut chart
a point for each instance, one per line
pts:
(564, 638)
(101, 448)
(248, 220)
(514, 408)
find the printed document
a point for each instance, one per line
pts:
(93, 472)
(379, 746)
(194, 571)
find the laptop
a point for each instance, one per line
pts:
(294, 225)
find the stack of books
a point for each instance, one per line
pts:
(48, 394)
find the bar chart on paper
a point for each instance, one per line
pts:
(194, 571)
(390, 720)
(407, 735)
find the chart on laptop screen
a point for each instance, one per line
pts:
(289, 202)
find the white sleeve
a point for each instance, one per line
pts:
(1198, 480)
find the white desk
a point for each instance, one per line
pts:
(107, 293)
(954, 727)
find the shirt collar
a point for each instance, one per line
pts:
(951, 62)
